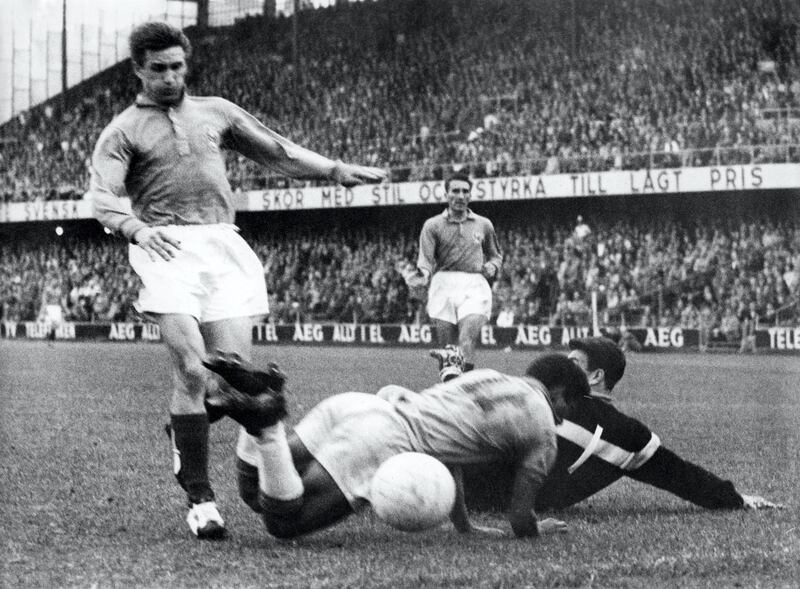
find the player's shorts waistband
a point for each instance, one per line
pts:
(200, 227)
(457, 272)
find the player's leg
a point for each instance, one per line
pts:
(189, 421)
(473, 309)
(469, 332)
(323, 504)
(444, 332)
(247, 465)
(233, 335)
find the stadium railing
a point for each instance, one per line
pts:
(487, 168)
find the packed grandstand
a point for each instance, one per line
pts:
(500, 88)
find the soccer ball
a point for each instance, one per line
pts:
(413, 492)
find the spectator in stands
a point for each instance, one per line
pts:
(656, 79)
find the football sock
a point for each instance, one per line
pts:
(277, 476)
(190, 445)
(468, 366)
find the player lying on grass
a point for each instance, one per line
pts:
(322, 472)
(598, 445)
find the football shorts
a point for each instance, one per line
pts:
(53, 315)
(214, 276)
(454, 295)
(351, 435)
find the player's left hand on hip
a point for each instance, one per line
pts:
(414, 278)
(552, 526)
(353, 175)
(755, 502)
(489, 271)
(157, 243)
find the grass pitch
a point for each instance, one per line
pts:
(87, 497)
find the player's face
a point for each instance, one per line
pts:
(163, 75)
(458, 195)
(580, 359)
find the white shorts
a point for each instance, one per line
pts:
(454, 295)
(351, 435)
(214, 276)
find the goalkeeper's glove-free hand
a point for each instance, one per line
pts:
(755, 502)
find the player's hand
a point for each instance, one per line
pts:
(414, 278)
(489, 272)
(157, 243)
(488, 531)
(551, 526)
(755, 503)
(353, 175)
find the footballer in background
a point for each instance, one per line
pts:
(459, 261)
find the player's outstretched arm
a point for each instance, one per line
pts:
(254, 140)
(669, 472)
(460, 516)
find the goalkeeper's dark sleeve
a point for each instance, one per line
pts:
(668, 471)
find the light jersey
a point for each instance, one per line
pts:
(481, 416)
(458, 246)
(171, 162)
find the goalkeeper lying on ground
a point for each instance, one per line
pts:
(598, 445)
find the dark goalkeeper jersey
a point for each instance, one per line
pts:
(597, 445)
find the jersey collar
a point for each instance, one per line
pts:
(470, 216)
(601, 396)
(143, 100)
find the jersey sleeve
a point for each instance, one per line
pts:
(427, 246)
(491, 247)
(596, 446)
(598, 429)
(248, 136)
(600, 445)
(669, 472)
(110, 164)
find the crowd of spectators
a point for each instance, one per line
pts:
(502, 86)
(644, 272)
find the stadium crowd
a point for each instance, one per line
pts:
(646, 272)
(502, 86)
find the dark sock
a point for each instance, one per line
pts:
(468, 366)
(214, 413)
(247, 476)
(190, 440)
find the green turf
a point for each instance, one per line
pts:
(88, 498)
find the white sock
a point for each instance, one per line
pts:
(277, 476)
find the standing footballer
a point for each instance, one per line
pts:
(202, 282)
(459, 250)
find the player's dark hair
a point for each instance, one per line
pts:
(554, 370)
(462, 176)
(602, 352)
(156, 36)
